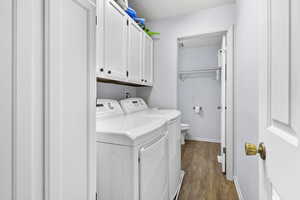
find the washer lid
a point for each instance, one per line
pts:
(168, 114)
(128, 130)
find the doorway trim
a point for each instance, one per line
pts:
(230, 96)
(22, 87)
(54, 182)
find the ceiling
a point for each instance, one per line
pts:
(158, 9)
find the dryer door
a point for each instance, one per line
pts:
(154, 170)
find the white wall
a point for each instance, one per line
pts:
(164, 91)
(200, 58)
(203, 90)
(246, 98)
(113, 91)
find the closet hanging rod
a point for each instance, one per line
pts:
(199, 70)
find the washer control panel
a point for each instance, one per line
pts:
(107, 108)
(133, 105)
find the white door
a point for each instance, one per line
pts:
(222, 64)
(279, 62)
(148, 60)
(70, 100)
(115, 36)
(226, 56)
(154, 171)
(135, 35)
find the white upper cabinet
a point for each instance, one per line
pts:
(124, 50)
(135, 36)
(147, 76)
(115, 41)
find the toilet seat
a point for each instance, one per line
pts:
(185, 127)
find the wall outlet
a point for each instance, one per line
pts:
(126, 93)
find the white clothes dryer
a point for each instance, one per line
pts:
(138, 107)
(132, 155)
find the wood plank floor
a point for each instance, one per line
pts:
(203, 179)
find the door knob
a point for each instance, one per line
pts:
(252, 150)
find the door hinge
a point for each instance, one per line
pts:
(224, 150)
(127, 73)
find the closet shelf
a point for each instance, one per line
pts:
(194, 73)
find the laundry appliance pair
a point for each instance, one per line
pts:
(138, 151)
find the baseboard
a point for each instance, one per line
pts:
(238, 188)
(202, 139)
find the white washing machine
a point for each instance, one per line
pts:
(138, 107)
(132, 155)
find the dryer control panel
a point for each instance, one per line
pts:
(133, 105)
(107, 108)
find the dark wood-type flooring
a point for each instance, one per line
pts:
(203, 179)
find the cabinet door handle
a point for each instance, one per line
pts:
(142, 80)
(145, 81)
(101, 69)
(109, 72)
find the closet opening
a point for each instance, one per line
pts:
(205, 93)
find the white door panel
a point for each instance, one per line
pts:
(148, 60)
(115, 37)
(70, 100)
(280, 98)
(280, 59)
(100, 44)
(134, 52)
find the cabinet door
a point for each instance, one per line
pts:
(115, 37)
(134, 52)
(148, 60)
(70, 100)
(100, 65)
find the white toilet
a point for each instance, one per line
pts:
(184, 130)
